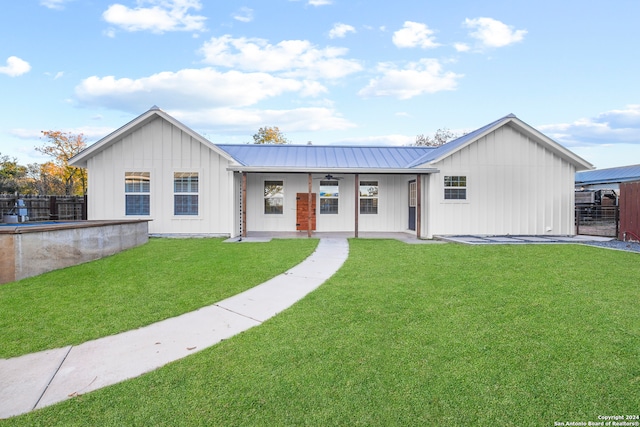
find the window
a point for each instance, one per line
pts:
(329, 193)
(368, 197)
(185, 197)
(137, 186)
(455, 187)
(273, 197)
(413, 194)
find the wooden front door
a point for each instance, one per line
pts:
(413, 197)
(302, 211)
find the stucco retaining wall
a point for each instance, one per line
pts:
(27, 251)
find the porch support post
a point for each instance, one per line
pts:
(309, 205)
(418, 204)
(243, 218)
(356, 203)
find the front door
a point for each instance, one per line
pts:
(302, 211)
(413, 198)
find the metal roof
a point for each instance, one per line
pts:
(332, 157)
(610, 175)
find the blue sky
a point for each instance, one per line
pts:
(327, 71)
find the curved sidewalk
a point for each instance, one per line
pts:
(40, 379)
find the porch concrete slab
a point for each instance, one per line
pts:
(504, 239)
(248, 240)
(465, 239)
(535, 239)
(24, 379)
(488, 240)
(41, 379)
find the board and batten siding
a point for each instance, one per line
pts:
(392, 216)
(162, 149)
(515, 185)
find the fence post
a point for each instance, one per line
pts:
(53, 208)
(577, 221)
(85, 210)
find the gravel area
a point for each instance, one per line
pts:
(617, 244)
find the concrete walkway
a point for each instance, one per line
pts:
(37, 380)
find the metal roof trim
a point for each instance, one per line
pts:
(80, 159)
(275, 169)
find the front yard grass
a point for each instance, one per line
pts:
(411, 335)
(134, 288)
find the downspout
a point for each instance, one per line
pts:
(309, 205)
(357, 207)
(418, 205)
(244, 205)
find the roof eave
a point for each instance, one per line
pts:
(577, 161)
(81, 158)
(276, 169)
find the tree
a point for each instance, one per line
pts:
(13, 177)
(442, 136)
(269, 135)
(62, 146)
(46, 178)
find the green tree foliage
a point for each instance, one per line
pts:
(13, 177)
(269, 135)
(442, 136)
(62, 146)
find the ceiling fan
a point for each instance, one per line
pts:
(329, 177)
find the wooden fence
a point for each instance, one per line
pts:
(629, 211)
(47, 208)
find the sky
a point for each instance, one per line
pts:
(327, 71)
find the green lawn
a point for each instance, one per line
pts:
(137, 287)
(423, 335)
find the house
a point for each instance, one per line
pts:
(504, 178)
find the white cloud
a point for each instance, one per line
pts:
(188, 88)
(415, 34)
(493, 33)
(418, 78)
(15, 67)
(320, 2)
(340, 30)
(55, 76)
(291, 58)
(54, 4)
(379, 140)
(160, 16)
(90, 132)
(611, 127)
(248, 120)
(245, 14)
(461, 47)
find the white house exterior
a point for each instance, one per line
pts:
(504, 178)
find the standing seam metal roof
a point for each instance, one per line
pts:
(324, 156)
(609, 175)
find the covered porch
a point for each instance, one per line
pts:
(321, 202)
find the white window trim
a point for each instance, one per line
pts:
(284, 198)
(377, 197)
(330, 198)
(466, 187)
(127, 193)
(199, 193)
